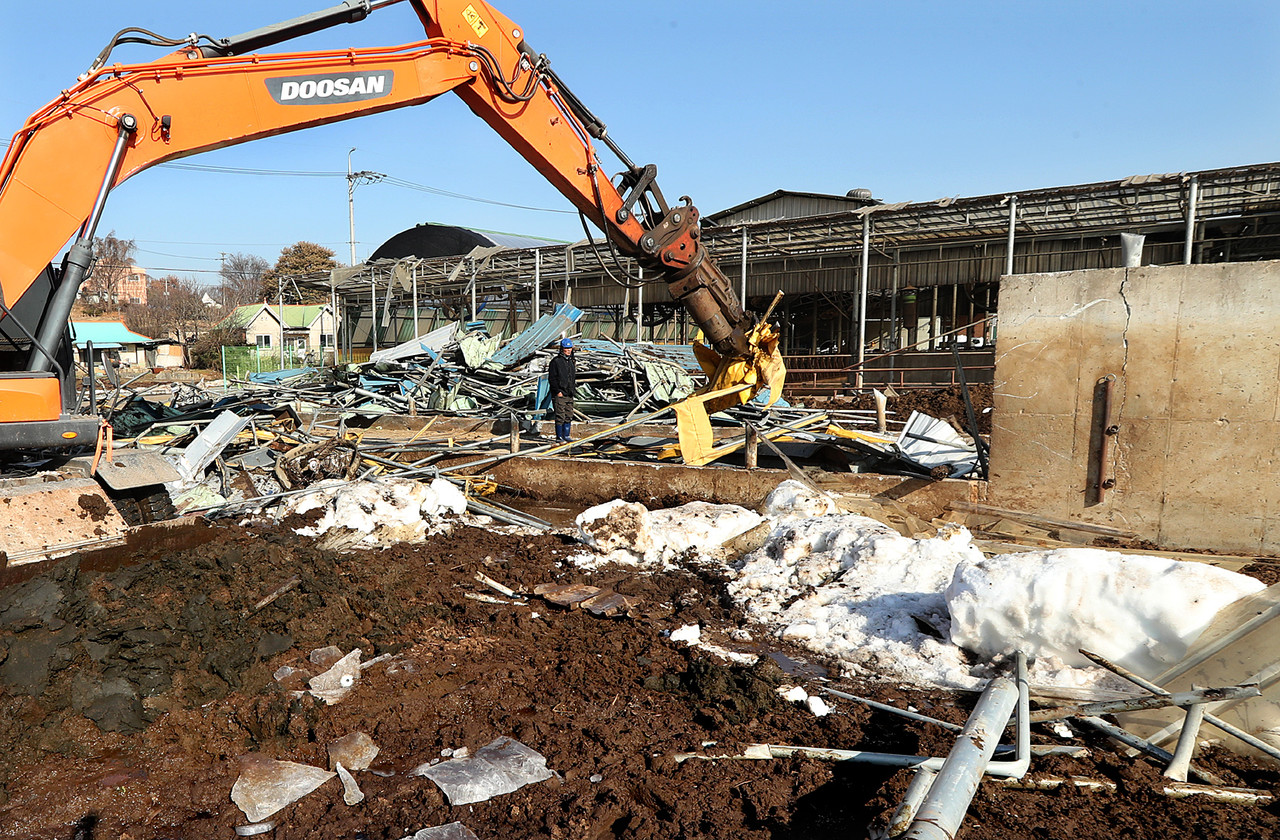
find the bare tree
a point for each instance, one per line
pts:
(113, 261)
(241, 279)
(175, 309)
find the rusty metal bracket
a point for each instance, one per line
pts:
(1104, 480)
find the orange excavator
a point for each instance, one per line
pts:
(207, 93)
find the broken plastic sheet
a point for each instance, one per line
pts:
(502, 766)
(450, 831)
(266, 785)
(1240, 646)
(478, 348)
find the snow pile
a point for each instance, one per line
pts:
(629, 533)
(388, 510)
(925, 610)
(848, 587)
(1140, 612)
(794, 499)
(851, 588)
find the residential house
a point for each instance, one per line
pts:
(308, 328)
(113, 340)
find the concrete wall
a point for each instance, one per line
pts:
(1195, 352)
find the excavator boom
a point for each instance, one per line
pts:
(120, 119)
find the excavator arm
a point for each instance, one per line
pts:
(120, 119)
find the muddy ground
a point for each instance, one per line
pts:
(943, 403)
(128, 694)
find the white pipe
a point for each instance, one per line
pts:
(1013, 224)
(537, 285)
(862, 301)
(744, 268)
(1193, 195)
(1177, 769)
(417, 329)
(943, 810)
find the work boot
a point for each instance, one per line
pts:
(560, 433)
(567, 439)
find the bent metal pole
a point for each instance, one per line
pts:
(948, 799)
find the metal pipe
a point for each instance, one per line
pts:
(907, 809)
(884, 707)
(373, 310)
(417, 328)
(640, 305)
(1193, 196)
(893, 307)
(1249, 739)
(1182, 698)
(1231, 638)
(537, 285)
(473, 289)
(943, 810)
(745, 239)
(862, 298)
(1177, 769)
(1013, 224)
(280, 292)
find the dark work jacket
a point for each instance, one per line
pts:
(561, 375)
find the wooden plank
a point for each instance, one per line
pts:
(566, 595)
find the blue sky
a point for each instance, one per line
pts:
(732, 100)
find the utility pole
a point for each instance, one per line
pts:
(280, 292)
(364, 176)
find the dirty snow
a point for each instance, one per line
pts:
(1139, 612)
(924, 610)
(388, 510)
(628, 533)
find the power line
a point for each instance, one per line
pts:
(397, 182)
(237, 170)
(400, 182)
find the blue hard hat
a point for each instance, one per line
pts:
(566, 342)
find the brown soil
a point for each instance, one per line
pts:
(170, 659)
(942, 403)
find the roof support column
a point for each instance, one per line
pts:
(862, 299)
(417, 330)
(640, 306)
(1013, 224)
(373, 309)
(474, 315)
(333, 321)
(744, 267)
(537, 285)
(1193, 195)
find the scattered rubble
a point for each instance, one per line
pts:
(232, 672)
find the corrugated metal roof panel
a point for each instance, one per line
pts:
(542, 333)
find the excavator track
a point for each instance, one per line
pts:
(143, 506)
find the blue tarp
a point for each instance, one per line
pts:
(270, 376)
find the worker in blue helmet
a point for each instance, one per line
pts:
(561, 376)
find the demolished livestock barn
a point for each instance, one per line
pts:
(1040, 601)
